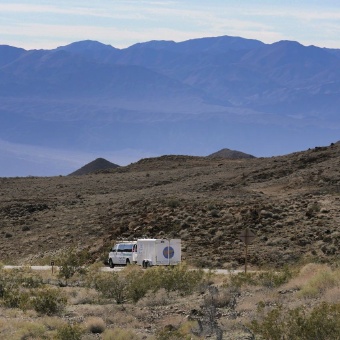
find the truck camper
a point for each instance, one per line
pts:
(146, 252)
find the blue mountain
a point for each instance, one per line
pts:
(161, 97)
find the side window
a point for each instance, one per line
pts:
(120, 248)
(114, 248)
(134, 248)
(128, 248)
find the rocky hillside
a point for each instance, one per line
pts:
(292, 204)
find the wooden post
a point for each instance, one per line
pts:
(246, 259)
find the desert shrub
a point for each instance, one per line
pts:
(170, 332)
(72, 262)
(173, 203)
(13, 279)
(279, 324)
(95, 325)
(111, 285)
(324, 278)
(49, 301)
(269, 279)
(159, 298)
(133, 283)
(313, 209)
(214, 213)
(177, 278)
(15, 298)
(138, 283)
(272, 279)
(240, 279)
(120, 334)
(30, 330)
(70, 332)
(82, 296)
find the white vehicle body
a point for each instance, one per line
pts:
(146, 252)
(158, 252)
(123, 253)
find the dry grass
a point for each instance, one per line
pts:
(314, 280)
(95, 325)
(159, 311)
(121, 334)
(159, 298)
(81, 296)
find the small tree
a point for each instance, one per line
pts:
(72, 262)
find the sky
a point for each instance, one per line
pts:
(43, 24)
(46, 24)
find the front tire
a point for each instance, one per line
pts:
(111, 264)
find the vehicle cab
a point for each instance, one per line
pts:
(123, 253)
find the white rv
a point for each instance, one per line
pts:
(146, 252)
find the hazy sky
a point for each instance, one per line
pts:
(121, 23)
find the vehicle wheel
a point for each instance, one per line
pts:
(111, 264)
(127, 262)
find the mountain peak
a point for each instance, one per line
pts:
(94, 166)
(232, 154)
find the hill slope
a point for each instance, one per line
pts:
(290, 202)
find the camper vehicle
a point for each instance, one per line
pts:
(146, 252)
(158, 252)
(123, 253)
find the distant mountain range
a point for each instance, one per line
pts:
(163, 97)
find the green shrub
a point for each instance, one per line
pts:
(321, 323)
(49, 301)
(240, 279)
(178, 278)
(13, 279)
(110, 285)
(138, 283)
(269, 279)
(272, 279)
(133, 283)
(14, 298)
(70, 332)
(72, 262)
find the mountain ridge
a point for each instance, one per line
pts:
(164, 97)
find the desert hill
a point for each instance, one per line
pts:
(291, 202)
(227, 153)
(98, 164)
